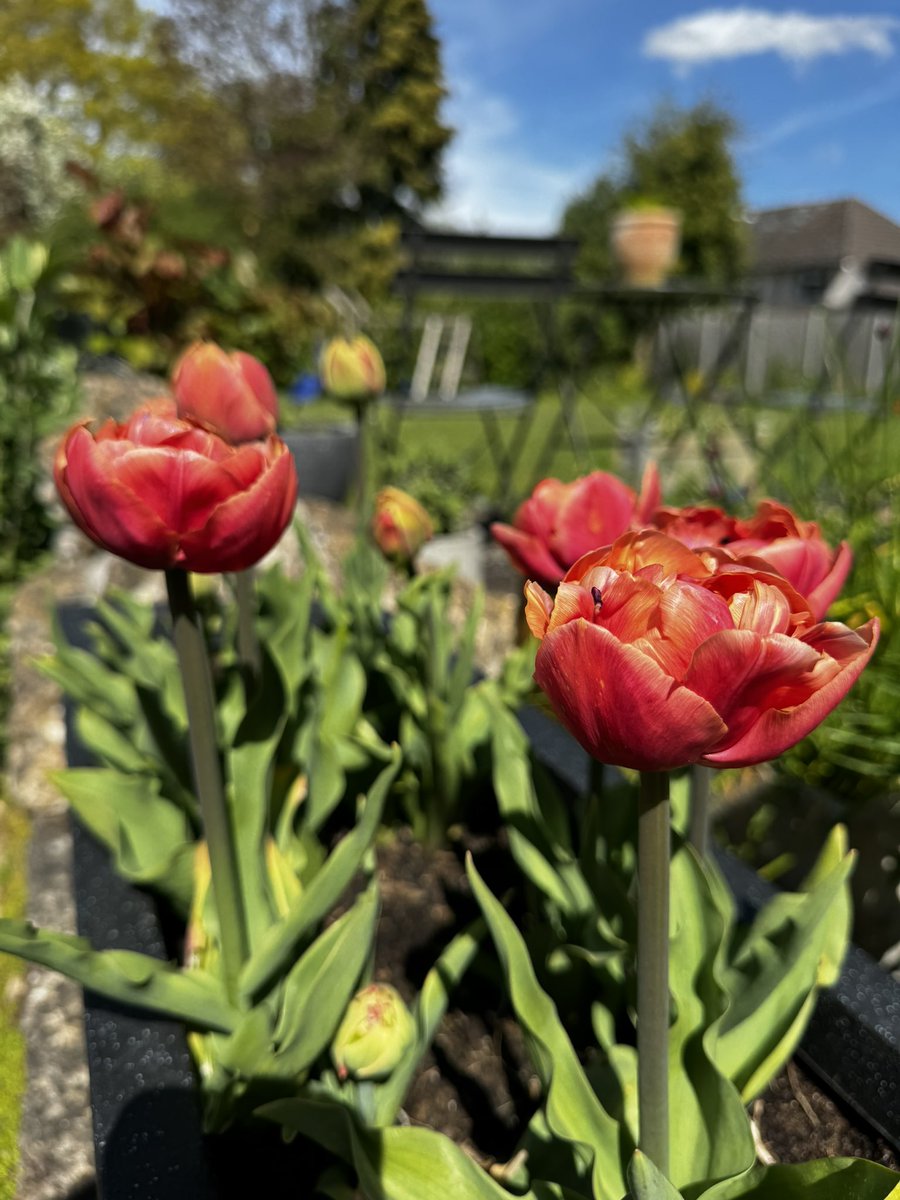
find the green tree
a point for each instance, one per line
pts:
(340, 106)
(681, 157)
(111, 70)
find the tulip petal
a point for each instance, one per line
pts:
(528, 554)
(596, 510)
(107, 509)
(244, 528)
(802, 700)
(619, 704)
(650, 495)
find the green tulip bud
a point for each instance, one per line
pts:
(377, 1030)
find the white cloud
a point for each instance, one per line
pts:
(492, 184)
(723, 33)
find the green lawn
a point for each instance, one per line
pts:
(833, 465)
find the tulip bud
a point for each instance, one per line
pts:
(352, 371)
(376, 1032)
(400, 525)
(232, 395)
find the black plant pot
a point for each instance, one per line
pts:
(148, 1138)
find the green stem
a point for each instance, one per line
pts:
(698, 828)
(653, 968)
(200, 702)
(362, 483)
(248, 642)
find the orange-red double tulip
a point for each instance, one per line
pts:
(400, 525)
(561, 521)
(654, 659)
(231, 395)
(162, 492)
(775, 535)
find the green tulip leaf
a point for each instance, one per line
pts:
(284, 623)
(822, 1179)
(90, 682)
(149, 837)
(146, 983)
(572, 1110)
(547, 861)
(108, 742)
(279, 944)
(647, 1182)
(398, 1163)
(319, 987)
(796, 943)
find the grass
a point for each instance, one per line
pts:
(461, 438)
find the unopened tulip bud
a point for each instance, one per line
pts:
(232, 395)
(376, 1032)
(352, 371)
(400, 525)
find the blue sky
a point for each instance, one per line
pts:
(541, 92)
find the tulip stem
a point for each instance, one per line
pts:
(653, 968)
(362, 483)
(247, 641)
(698, 826)
(196, 677)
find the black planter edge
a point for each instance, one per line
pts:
(147, 1127)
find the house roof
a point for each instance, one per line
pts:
(818, 235)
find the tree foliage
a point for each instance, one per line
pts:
(680, 157)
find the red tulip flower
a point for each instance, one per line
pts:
(231, 395)
(161, 492)
(654, 659)
(562, 521)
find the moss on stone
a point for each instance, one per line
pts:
(14, 833)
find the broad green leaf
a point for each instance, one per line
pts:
(822, 1179)
(646, 1182)
(319, 987)
(191, 996)
(573, 1111)
(249, 762)
(149, 837)
(399, 1163)
(709, 1131)
(279, 945)
(110, 745)
(795, 941)
(550, 865)
(283, 624)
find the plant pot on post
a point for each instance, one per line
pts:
(645, 242)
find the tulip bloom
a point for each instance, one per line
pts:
(653, 659)
(797, 550)
(231, 395)
(161, 492)
(400, 525)
(562, 521)
(352, 370)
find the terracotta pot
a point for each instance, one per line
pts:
(645, 243)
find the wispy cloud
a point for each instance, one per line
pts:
(822, 114)
(492, 184)
(724, 33)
